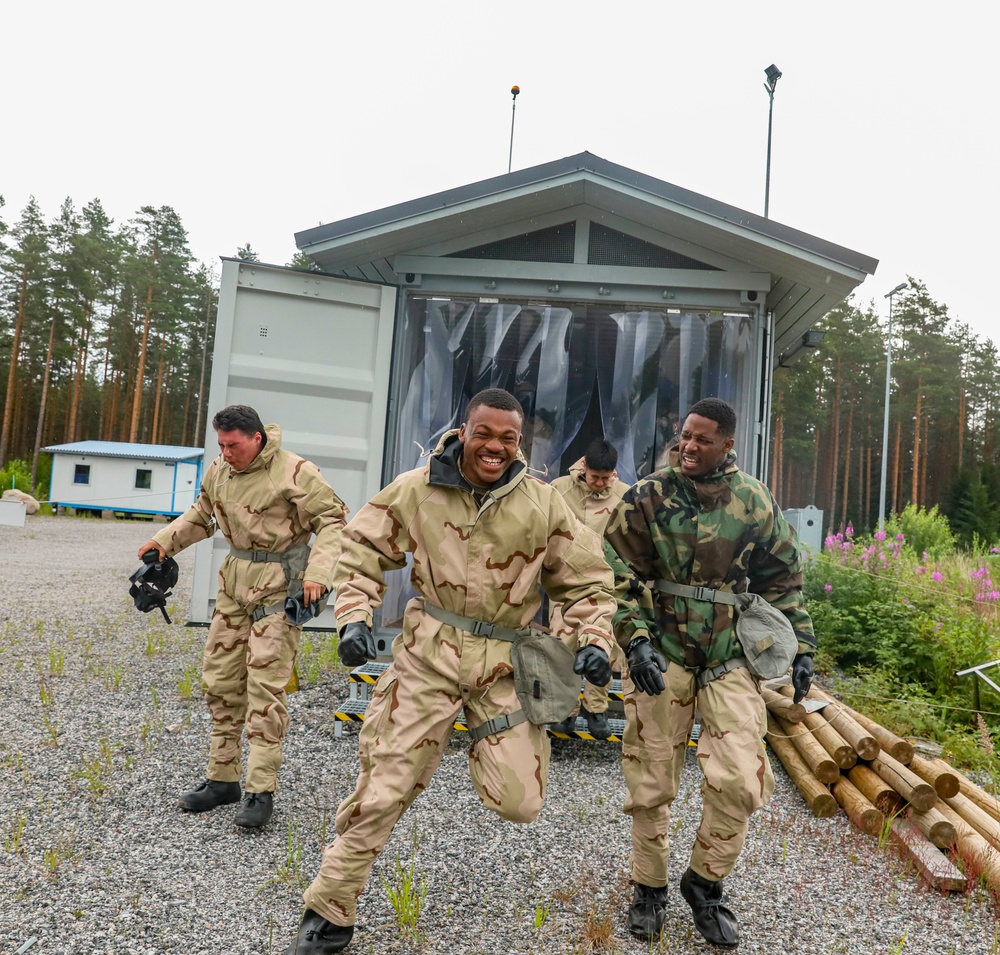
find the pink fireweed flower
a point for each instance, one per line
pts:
(828, 587)
(937, 575)
(880, 535)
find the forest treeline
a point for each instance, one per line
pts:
(107, 330)
(944, 426)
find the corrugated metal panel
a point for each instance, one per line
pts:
(125, 449)
(310, 353)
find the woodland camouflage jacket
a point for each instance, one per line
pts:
(723, 531)
(482, 560)
(279, 499)
(592, 507)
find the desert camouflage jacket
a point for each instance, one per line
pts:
(480, 558)
(592, 507)
(723, 531)
(278, 500)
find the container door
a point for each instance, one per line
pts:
(311, 353)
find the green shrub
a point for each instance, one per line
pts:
(898, 624)
(17, 474)
(924, 532)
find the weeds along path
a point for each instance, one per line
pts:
(104, 724)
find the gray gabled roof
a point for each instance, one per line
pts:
(809, 275)
(125, 449)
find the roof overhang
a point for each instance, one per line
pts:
(806, 275)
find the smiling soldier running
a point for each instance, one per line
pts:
(483, 534)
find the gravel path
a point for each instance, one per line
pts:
(103, 725)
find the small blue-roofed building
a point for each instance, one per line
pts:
(124, 478)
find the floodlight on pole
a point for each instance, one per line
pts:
(773, 74)
(885, 421)
(514, 90)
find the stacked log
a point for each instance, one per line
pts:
(837, 756)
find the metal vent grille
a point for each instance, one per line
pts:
(610, 247)
(554, 244)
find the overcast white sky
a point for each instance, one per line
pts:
(256, 120)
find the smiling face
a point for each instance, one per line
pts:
(490, 439)
(702, 447)
(239, 449)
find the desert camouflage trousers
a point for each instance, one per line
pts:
(406, 729)
(737, 775)
(244, 673)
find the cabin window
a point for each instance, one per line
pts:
(143, 479)
(81, 474)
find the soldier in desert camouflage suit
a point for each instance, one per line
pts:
(265, 500)
(592, 490)
(483, 534)
(699, 523)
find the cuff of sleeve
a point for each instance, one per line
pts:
(354, 616)
(807, 643)
(596, 638)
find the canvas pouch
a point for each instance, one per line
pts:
(766, 636)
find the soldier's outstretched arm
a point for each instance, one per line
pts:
(195, 524)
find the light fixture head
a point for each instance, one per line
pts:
(773, 74)
(813, 338)
(898, 288)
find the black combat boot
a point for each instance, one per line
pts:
(597, 723)
(209, 794)
(317, 936)
(568, 725)
(255, 811)
(647, 912)
(711, 915)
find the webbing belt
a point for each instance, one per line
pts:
(482, 628)
(695, 593)
(707, 675)
(704, 677)
(497, 725)
(262, 612)
(478, 628)
(257, 556)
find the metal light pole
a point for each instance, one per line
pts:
(514, 90)
(885, 422)
(773, 74)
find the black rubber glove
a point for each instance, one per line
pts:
(593, 663)
(357, 645)
(802, 675)
(645, 666)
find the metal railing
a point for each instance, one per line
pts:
(978, 671)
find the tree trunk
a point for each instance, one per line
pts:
(41, 406)
(156, 399)
(133, 431)
(895, 472)
(835, 457)
(15, 348)
(847, 461)
(915, 476)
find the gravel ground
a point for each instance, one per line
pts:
(104, 725)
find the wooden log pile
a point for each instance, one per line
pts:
(934, 814)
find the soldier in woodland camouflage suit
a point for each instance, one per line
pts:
(267, 502)
(680, 543)
(483, 535)
(592, 490)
